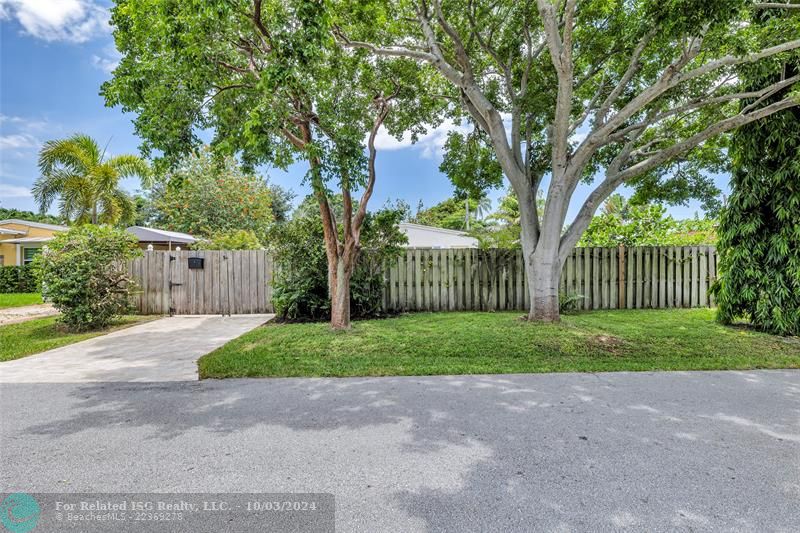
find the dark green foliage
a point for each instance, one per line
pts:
(301, 284)
(470, 164)
(759, 236)
(18, 279)
(84, 274)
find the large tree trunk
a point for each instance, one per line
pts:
(544, 275)
(340, 295)
(340, 270)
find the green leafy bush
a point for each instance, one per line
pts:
(230, 240)
(646, 225)
(83, 273)
(205, 196)
(18, 279)
(300, 287)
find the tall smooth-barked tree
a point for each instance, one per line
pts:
(602, 92)
(267, 79)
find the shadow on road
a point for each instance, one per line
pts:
(702, 450)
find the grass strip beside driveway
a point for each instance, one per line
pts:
(19, 299)
(490, 343)
(42, 334)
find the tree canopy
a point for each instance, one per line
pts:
(266, 78)
(597, 91)
(452, 213)
(6, 212)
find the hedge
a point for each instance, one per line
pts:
(18, 279)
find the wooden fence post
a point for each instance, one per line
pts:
(621, 275)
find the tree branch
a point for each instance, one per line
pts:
(633, 67)
(613, 180)
(722, 126)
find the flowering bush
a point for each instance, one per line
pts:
(204, 197)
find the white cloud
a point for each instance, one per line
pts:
(106, 64)
(18, 141)
(14, 191)
(431, 143)
(58, 20)
(22, 123)
(108, 59)
(19, 136)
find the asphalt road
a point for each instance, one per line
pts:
(681, 451)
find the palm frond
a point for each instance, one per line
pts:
(47, 187)
(75, 153)
(129, 166)
(116, 206)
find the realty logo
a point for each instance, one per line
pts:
(19, 512)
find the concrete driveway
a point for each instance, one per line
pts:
(162, 350)
(671, 451)
(12, 315)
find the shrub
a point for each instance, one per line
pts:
(300, 287)
(18, 279)
(83, 273)
(759, 233)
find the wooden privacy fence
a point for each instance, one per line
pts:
(226, 282)
(425, 279)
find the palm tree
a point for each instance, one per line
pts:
(482, 207)
(616, 204)
(87, 184)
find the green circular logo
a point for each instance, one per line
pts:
(19, 512)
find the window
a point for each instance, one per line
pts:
(2, 260)
(29, 253)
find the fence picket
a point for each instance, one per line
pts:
(703, 277)
(235, 282)
(695, 276)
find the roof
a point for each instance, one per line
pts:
(159, 235)
(25, 240)
(6, 231)
(432, 229)
(420, 236)
(40, 225)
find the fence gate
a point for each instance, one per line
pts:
(203, 282)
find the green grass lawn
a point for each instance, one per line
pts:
(18, 299)
(41, 334)
(478, 343)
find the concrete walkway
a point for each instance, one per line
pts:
(12, 315)
(163, 350)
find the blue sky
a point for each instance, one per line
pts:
(55, 54)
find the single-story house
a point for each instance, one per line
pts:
(160, 239)
(420, 236)
(21, 240)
